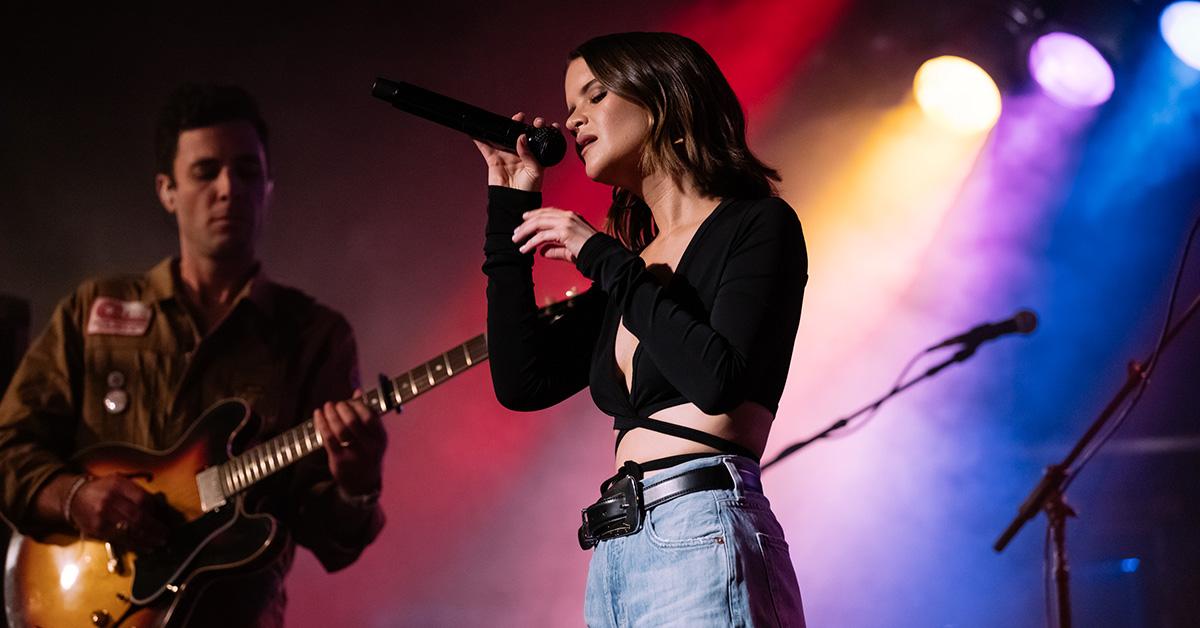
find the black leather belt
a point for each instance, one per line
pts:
(623, 504)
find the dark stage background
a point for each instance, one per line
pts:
(380, 215)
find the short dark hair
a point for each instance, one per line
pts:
(196, 105)
(697, 128)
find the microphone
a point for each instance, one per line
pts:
(546, 143)
(1023, 322)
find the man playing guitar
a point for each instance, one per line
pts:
(137, 359)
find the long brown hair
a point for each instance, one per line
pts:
(697, 128)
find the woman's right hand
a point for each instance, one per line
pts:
(521, 171)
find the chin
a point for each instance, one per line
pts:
(596, 172)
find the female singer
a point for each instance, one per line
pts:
(684, 339)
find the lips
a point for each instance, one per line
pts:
(582, 142)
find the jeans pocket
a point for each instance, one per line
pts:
(689, 521)
(781, 581)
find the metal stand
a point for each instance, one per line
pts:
(1057, 512)
(1048, 494)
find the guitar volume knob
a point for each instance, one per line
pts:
(101, 618)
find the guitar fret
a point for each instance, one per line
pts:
(289, 445)
(241, 473)
(375, 399)
(466, 354)
(234, 476)
(437, 372)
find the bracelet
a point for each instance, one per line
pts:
(75, 486)
(359, 501)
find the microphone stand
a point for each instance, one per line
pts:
(1048, 494)
(967, 351)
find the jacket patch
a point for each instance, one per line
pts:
(113, 317)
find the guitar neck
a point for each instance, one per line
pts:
(255, 464)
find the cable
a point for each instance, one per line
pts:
(855, 426)
(1148, 368)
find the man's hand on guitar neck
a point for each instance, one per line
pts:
(355, 440)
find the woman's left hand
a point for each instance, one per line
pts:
(555, 233)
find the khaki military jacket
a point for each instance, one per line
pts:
(122, 360)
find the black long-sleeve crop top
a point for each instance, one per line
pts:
(718, 334)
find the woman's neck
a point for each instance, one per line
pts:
(675, 204)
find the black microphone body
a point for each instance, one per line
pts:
(1022, 322)
(546, 143)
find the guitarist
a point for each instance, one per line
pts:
(135, 359)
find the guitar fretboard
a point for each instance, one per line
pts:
(240, 472)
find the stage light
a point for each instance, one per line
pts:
(1070, 70)
(957, 94)
(1180, 24)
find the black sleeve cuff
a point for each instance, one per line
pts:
(604, 260)
(505, 206)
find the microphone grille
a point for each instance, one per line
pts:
(1026, 321)
(547, 144)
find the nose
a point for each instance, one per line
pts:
(227, 184)
(574, 121)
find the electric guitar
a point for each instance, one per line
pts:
(66, 581)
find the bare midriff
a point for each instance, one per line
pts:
(748, 425)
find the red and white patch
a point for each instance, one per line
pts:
(113, 317)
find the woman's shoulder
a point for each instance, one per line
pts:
(771, 212)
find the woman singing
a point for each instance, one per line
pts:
(684, 339)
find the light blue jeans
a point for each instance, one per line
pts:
(713, 558)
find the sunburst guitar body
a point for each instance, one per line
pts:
(65, 581)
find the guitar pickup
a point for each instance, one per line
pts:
(208, 485)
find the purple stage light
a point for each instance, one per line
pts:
(1070, 70)
(1180, 24)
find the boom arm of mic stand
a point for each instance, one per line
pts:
(960, 356)
(1052, 482)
